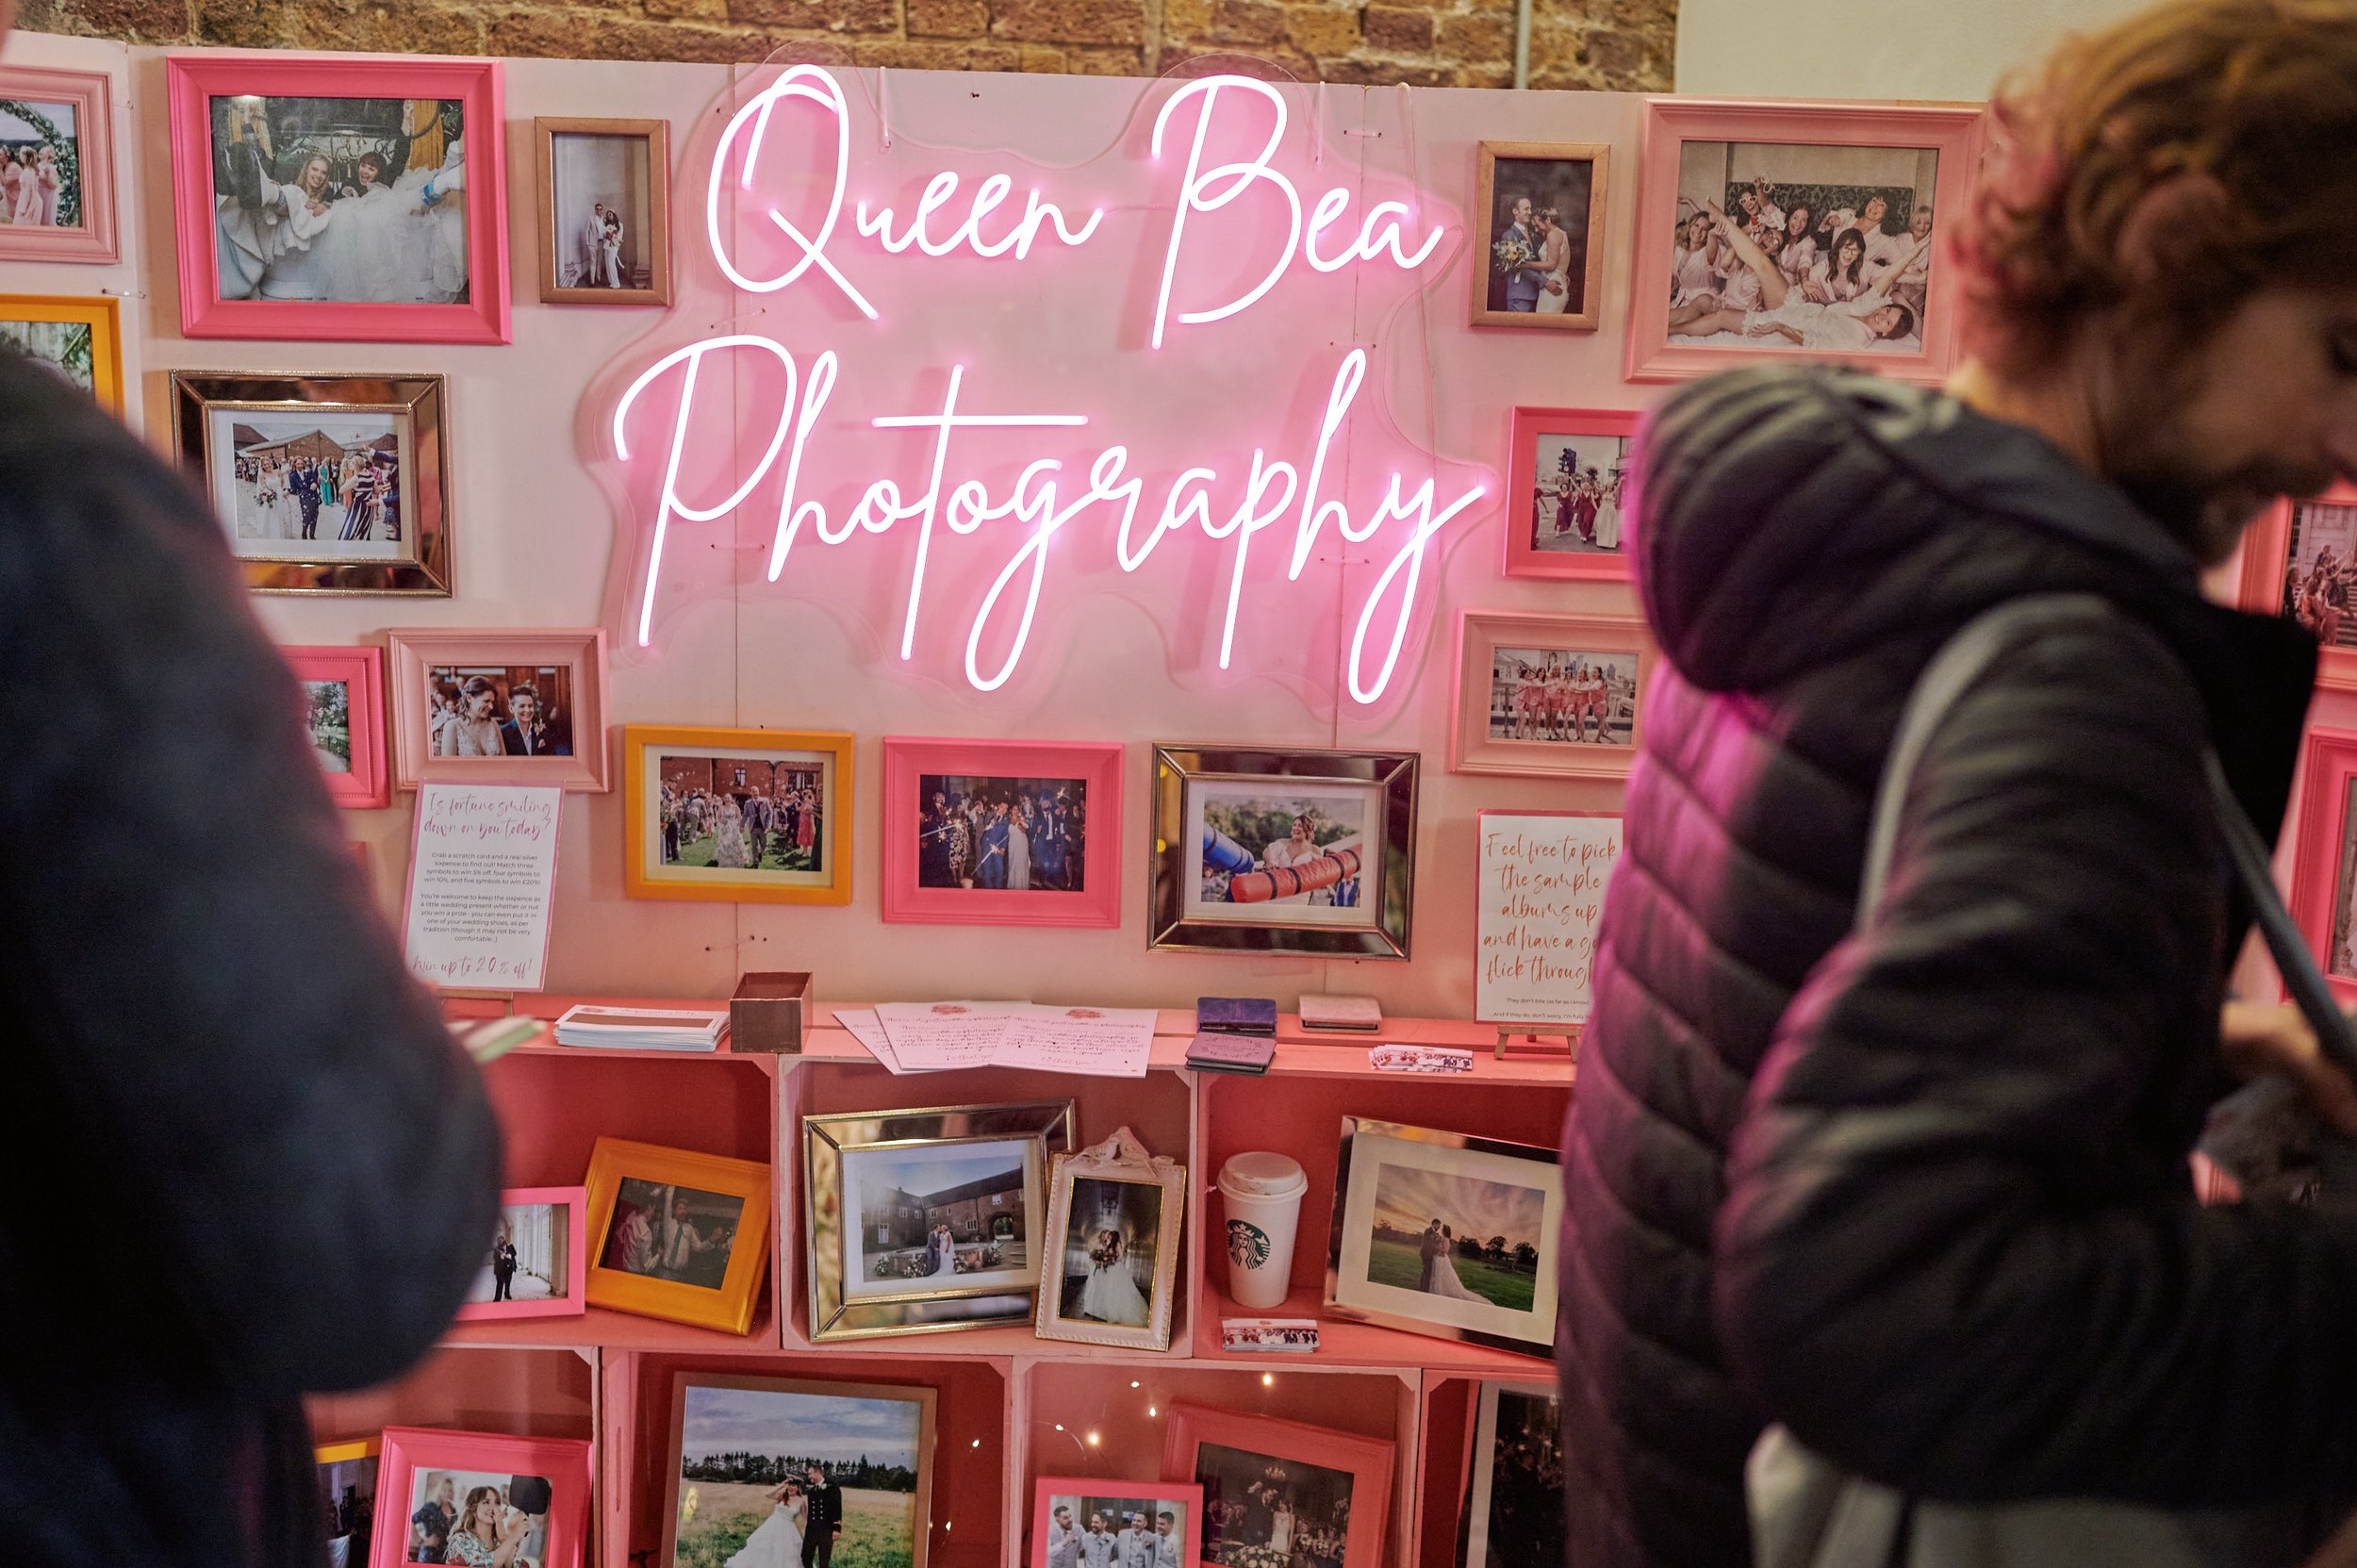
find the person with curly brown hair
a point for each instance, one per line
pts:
(1915, 1187)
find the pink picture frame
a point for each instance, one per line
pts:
(1368, 1460)
(96, 237)
(2324, 857)
(912, 857)
(1046, 1490)
(366, 783)
(573, 1265)
(1556, 723)
(503, 659)
(2267, 550)
(193, 81)
(1559, 547)
(411, 1454)
(1951, 133)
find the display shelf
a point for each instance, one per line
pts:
(548, 1390)
(1159, 1108)
(602, 1326)
(972, 1436)
(1444, 1450)
(554, 1105)
(1078, 1421)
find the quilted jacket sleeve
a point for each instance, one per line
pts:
(1940, 1260)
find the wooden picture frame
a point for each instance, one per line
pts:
(227, 422)
(917, 851)
(85, 168)
(726, 1305)
(1122, 1178)
(781, 766)
(414, 1454)
(922, 1402)
(1367, 801)
(101, 314)
(1384, 1170)
(1783, 134)
(1582, 279)
(366, 782)
(1080, 1496)
(567, 1269)
(1364, 1463)
(2269, 553)
(895, 1294)
(571, 712)
(562, 238)
(1550, 455)
(1529, 689)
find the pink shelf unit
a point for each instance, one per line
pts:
(972, 1437)
(524, 1391)
(1444, 1450)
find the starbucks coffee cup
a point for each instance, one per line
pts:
(1263, 1194)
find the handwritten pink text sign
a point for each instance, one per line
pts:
(1541, 896)
(482, 881)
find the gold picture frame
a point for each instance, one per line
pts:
(1121, 1173)
(858, 1173)
(653, 222)
(411, 407)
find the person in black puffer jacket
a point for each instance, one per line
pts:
(1921, 1195)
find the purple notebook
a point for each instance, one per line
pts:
(1236, 1014)
(1231, 1053)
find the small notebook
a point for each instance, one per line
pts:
(1231, 1053)
(1236, 1014)
(1359, 1013)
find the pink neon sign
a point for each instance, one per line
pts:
(1150, 369)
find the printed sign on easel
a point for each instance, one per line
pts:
(1541, 896)
(482, 879)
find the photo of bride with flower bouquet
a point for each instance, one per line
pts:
(1543, 201)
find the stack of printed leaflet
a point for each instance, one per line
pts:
(643, 1028)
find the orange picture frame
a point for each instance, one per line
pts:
(647, 873)
(729, 1306)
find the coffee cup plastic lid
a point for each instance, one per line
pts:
(1262, 1174)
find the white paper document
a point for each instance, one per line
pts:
(482, 880)
(1105, 1042)
(861, 1024)
(917, 1037)
(938, 1036)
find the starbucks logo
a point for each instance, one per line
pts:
(1248, 1244)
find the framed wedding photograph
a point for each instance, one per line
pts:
(676, 1234)
(1114, 1219)
(347, 1473)
(56, 166)
(1548, 696)
(758, 1465)
(1569, 473)
(927, 1219)
(326, 483)
(1078, 1520)
(1514, 1498)
(338, 198)
(604, 202)
(1282, 852)
(490, 706)
(450, 1496)
(1278, 1491)
(1542, 264)
(2300, 561)
(2324, 865)
(997, 834)
(738, 816)
(538, 1264)
(77, 341)
(1798, 231)
(343, 692)
(1446, 1233)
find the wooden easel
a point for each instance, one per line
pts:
(1506, 1036)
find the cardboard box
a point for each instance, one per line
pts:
(768, 1013)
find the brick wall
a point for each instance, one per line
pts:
(1622, 45)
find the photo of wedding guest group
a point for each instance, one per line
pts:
(1575, 494)
(953, 1216)
(1565, 696)
(743, 813)
(1133, 1530)
(2321, 571)
(662, 1230)
(343, 200)
(1012, 834)
(322, 485)
(1109, 1252)
(478, 1519)
(1788, 245)
(1260, 1511)
(775, 1473)
(1458, 1237)
(500, 711)
(1516, 1514)
(528, 1260)
(40, 165)
(348, 1502)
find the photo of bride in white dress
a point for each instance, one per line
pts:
(1108, 1247)
(1456, 1237)
(777, 1542)
(339, 199)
